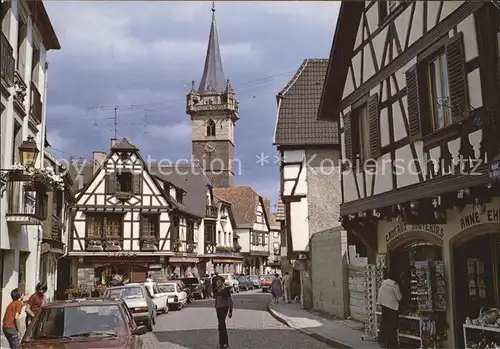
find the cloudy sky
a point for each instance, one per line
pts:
(142, 57)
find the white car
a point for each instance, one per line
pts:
(177, 298)
(160, 299)
(231, 281)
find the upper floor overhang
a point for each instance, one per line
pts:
(43, 24)
(340, 58)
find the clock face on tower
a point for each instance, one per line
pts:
(209, 147)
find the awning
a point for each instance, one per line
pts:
(183, 260)
(225, 260)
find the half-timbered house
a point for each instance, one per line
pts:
(310, 184)
(251, 226)
(131, 218)
(415, 88)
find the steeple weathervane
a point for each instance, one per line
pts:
(213, 74)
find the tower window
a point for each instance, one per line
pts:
(210, 128)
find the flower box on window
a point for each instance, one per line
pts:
(149, 243)
(176, 245)
(94, 245)
(113, 243)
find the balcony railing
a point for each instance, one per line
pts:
(211, 212)
(6, 61)
(210, 247)
(36, 104)
(30, 211)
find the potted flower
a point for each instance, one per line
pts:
(176, 245)
(223, 249)
(77, 292)
(191, 247)
(237, 248)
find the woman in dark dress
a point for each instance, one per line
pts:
(223, 308)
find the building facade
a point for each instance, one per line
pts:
(130, 219)
(310, 188)
(415, 88)
(213, 110)
(252, 228)
(27, 35)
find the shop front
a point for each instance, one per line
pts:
(181, 267)
(94, 270)
(450, 274)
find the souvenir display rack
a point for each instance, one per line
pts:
(490, 336)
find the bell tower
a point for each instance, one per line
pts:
(213, 110)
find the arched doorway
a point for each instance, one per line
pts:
(475, 256)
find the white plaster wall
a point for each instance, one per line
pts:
(244, 235)
(293, 173)
(224, 226)
(299, 223)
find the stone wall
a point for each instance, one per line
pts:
(329, 272)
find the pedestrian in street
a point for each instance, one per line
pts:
(389, 296)
(11, 324)
(276, 288)
(35, 302)
(223, 308)
(287, 280)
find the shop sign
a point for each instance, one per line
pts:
(400, 229)
(494, 170)
(475, 218)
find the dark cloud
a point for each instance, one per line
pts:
(147, 53)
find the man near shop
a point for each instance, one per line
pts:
(286, 287)
(11, 325)
(389, 296)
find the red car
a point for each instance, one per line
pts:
(88, 323)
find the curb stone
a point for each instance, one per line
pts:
(319, 338)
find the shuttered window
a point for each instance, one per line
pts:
(357, 134)
(348, 138)
(150, 224)
(374, 126)
(190, 231)
(437, 90)
(136, 183)
(125, 182)
(457, 78)
(111, 183)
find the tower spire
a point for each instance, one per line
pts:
(213, 74)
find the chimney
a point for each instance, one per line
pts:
(98, 159)
(113, 142)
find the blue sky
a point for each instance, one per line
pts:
(145, 54)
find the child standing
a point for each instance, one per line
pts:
(11, 324)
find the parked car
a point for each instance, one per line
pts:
(177, 298)
(139, 300)
(255, 280)
(195, 286)
(100, 323)
(183, 287)
(245, 283)
(231, 281)
(266, 281)
(160, 299)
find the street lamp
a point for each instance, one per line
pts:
(28, 152)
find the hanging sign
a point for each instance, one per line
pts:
(494, 170)
(400, 229)
(474, 218)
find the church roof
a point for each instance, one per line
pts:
(299, 100)
(213, 74)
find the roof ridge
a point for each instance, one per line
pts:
(299, 71)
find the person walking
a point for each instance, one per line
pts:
(223, 309)
(276, 288)
(11, 325)
(389, 296)
(287, 280)
(35, 302)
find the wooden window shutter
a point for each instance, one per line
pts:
(136, 183)
(348, 138)
(374, 124)
(111, 183)
(455, 59)
(414, 121)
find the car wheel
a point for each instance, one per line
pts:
(149, 325)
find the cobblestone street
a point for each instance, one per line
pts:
(195, 327)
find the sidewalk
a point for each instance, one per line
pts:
(336, 333)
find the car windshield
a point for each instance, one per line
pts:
(125, 292)
(167, 288)
(83, 321)
(242, 278)
(190, 281)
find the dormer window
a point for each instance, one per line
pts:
(124, 182)
(210, 128)
(178, 195)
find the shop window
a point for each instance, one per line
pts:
(103, 225)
